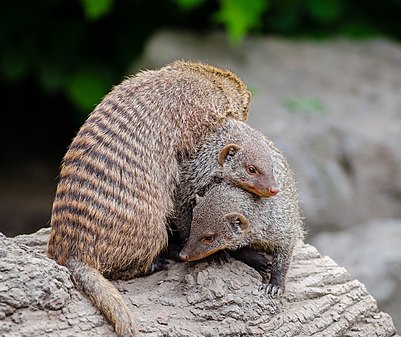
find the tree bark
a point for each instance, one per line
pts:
(37, 298)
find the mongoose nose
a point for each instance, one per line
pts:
(273, 190)
(184, 257)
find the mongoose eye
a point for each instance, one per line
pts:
(208, 239)
(252, 170)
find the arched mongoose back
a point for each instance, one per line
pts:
(119, 174)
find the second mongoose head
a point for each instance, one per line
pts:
(218, 223)
(248, 168)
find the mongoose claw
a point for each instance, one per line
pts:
(270, 289)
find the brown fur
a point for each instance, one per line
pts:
(118, 177)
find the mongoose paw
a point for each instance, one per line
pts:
(259, 260)
(159, 264)
(270, 289)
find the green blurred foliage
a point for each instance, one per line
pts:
(309, 105)
(80, 48)
(95, 9)
(240, 16)
(189, 4)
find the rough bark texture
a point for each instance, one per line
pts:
(37, 298)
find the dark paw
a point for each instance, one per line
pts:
(270, 289)
(159, 264)
(259, 260)
(262, 262)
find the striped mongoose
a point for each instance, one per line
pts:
(119, 174)
(235, 153)
(229, 217)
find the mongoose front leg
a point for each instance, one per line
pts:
(259, 260)
(276, 285)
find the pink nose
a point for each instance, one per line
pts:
(273, 190)
(183, 256)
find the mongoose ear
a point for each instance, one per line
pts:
(238, 220)
(226, 150)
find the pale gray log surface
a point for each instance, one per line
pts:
(37, 298)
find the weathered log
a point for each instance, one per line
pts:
(37, 298)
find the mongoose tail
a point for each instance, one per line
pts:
(104, 296)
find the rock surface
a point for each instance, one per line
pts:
(370, 252)
(202, 299)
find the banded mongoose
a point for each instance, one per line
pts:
(119, 174)
(235, 153)
(229, 217)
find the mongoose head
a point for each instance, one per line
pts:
(214, 229)
(249, 169)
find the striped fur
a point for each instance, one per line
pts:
(119, 174)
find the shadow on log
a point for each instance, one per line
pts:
(37, 298)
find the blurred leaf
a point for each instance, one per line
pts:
(239, 16)
(189, 4)
(88, 86)
(305, 104)
(325, 10)
(95, 9)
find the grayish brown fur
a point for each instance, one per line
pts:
(119, 174)
(202, 169)
(228, 217)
